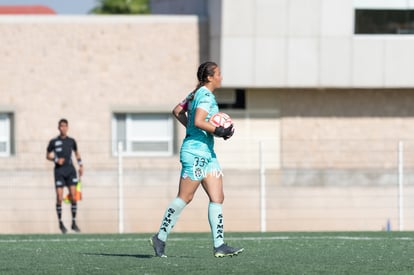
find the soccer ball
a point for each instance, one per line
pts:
(221, 119)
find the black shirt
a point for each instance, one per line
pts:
(63, 148)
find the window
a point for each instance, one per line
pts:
(143, 134)
(231, 99)
(384, 21)
(6, 134)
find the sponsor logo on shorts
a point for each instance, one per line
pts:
(198, 173)
(202, 173)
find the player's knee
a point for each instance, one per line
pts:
(186, 198)
(218, 199)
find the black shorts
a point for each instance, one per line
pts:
(65, 176)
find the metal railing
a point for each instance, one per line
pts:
(306, 185)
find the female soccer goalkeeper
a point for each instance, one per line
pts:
(199, 162)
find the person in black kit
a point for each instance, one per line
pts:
(60, 151)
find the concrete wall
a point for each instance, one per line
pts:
(28, 205)
(86, 68)
(337, 128)
(279, 43)
(334, 167)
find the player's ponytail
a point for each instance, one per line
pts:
(205, 70)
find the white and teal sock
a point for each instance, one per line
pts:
(170, 218)
(215, 218)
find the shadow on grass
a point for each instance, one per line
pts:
(141, 256)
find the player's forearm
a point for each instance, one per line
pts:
(205, 125)
(180, 114)
(50, 157)
(182, 118)
(79, 159)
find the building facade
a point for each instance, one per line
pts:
(320, 110)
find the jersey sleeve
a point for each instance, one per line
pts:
(50, 147)
(206, 101)
(75, 145)
(184, 102)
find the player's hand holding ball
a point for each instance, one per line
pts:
(224, 125)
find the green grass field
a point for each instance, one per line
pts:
(191, 253)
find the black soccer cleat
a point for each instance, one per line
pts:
(224, 250)
(158, 245)
(75, 227)
(62, 228)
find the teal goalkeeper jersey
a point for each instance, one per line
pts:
(197, 139)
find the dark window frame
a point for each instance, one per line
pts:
(10, 142)
(137, 146)
(384, 21)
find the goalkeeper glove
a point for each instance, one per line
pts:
(231, 134)
(220, 131)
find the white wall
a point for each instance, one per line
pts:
(304, 43)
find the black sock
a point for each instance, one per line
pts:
(74, 210)
(59, 212)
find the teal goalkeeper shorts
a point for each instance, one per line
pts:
(198, 165)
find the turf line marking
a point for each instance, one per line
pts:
(277, 238)
(322, 238)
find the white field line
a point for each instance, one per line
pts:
(276, 238)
